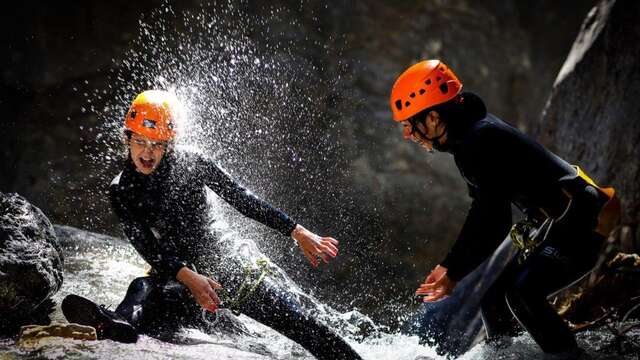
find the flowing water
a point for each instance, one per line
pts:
(100, 267)
(259, 108)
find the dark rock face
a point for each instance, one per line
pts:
(592, 116)
(30, 262)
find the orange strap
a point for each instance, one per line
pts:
(610, 213)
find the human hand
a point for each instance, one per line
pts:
(314, 246)
(436, 286)
(202, 288)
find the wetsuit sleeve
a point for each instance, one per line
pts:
(486, 226)
(161, 255)
(244, 201)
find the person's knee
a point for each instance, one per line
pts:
(139, 292)
(139, 284)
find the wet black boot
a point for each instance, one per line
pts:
(108, 324)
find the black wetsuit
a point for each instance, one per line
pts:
(165, 217)
(502, 166)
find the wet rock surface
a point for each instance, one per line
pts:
(591, 117)
(32, 336)
(101, 267)
(30, 263)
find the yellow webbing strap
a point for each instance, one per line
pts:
(253, 277)
(526, 236)
(585, 177)
(610, 213)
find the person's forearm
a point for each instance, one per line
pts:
(245, 201)
(260, 210)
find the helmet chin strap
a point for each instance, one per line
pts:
(434, 140)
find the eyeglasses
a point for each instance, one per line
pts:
(154, 145)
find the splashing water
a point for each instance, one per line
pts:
(258, 108)
(254, 102)
(101, 267)
(254, 105)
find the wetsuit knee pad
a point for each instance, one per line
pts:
(139, 284)
(138, 292)
(136, 296)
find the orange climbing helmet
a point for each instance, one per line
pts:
(152, 114)
(421, 86)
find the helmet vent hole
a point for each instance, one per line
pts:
(442, 68)
(422, 91)
(428, 82)
(438, 78)
(406, 104)
(133, 114)
(444, 88)
(399, 104)
(413, 95)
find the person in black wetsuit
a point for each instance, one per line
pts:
(160, 199)
(503, 166)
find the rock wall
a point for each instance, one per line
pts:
(592, 115)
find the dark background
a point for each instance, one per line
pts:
(313, 135)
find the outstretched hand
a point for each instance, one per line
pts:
(436, 286)
(202, 288)
(314, 246)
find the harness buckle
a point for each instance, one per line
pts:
(527, 236)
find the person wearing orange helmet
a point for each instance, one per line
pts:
(502, 166)
(149, 125)
(160, 199)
